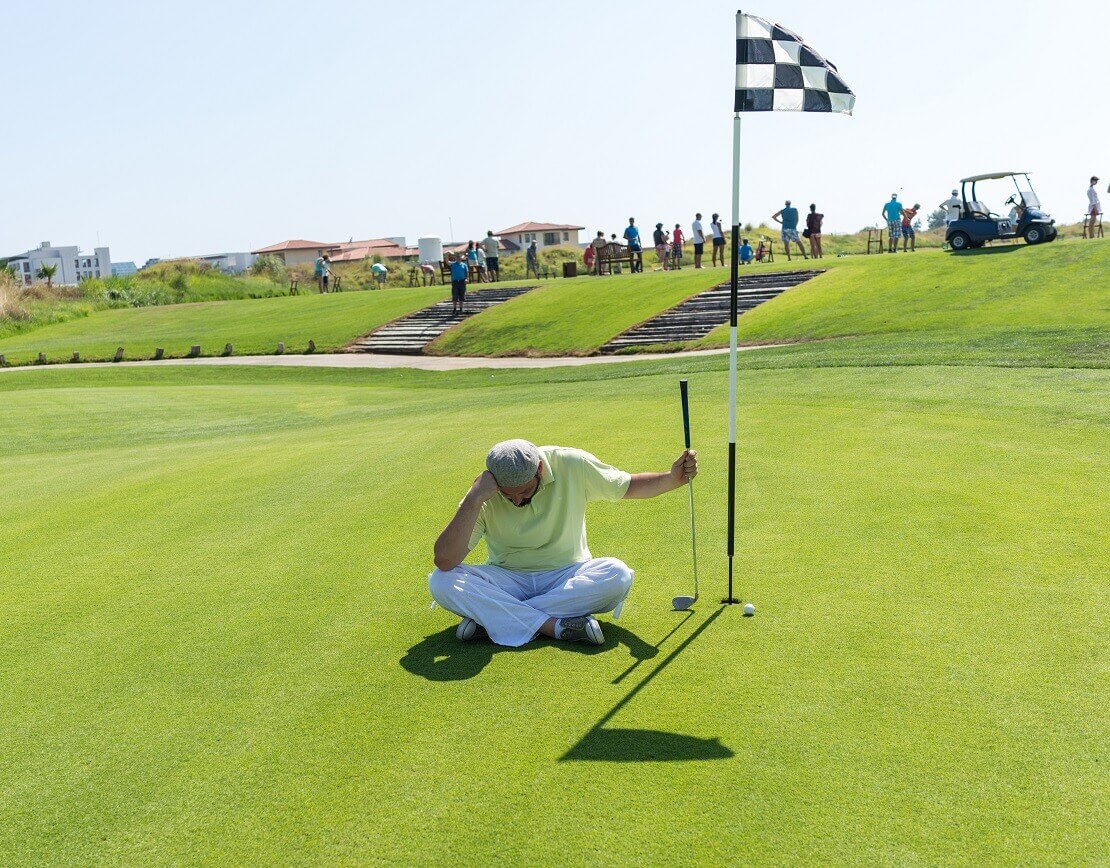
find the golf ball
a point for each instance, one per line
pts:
(749, 608)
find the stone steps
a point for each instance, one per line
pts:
(698, 316)
(409, 335)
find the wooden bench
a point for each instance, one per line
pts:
(472, 273)
(611, 253)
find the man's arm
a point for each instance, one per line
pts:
(645, 485)
(777, 215)
(453, 544)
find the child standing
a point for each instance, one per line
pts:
(459, 273)
(676, 245)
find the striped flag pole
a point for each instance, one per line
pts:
(776, 71)
(731, 599)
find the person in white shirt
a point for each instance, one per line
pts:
(1094, 208)
(697, 235)
(718, 239)
(493, 256)
(952, 208)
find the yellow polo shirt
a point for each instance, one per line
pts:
(550, 532)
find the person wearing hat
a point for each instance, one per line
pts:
(540, 578)
(892, 213)
(1094, 208)
(952, 208)
(659, 239)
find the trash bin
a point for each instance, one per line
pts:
(570, 269)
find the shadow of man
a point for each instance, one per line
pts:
(442, 657)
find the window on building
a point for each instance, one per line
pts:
(96, 260)
(26, 266)
(550, 238)
(98, 272)
(566, 236)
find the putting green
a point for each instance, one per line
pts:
(215, 641)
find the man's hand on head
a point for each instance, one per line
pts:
(685, 467)
(484, 487)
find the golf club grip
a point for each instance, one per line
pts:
(683, 388)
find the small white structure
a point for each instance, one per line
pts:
(229, 263)
(122, 269)
(431, 249)
(71, 266)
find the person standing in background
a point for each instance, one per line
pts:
(596, 247)
(892, 213)
(459, 274)
(697, 235)
(493, 256)
(908, 235)
(1094, 208)
(632, 236)
(481, 262)
(813, 230)
(718, 239)
(676, 245)
(787, 215)
(532, 261)
(952, 208)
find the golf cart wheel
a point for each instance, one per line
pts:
(1034, 235)
(960, 241)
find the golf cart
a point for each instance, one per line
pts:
(978, 224)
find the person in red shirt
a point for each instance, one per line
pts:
(676, 245)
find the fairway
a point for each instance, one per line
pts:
(216, 644)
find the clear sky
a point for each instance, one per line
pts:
(175, 129)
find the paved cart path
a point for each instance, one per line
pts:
(368, 360)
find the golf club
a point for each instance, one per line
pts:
(682, 603)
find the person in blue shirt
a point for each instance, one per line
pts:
(746, 253)
(632, 236)
(892, 213)
(788, 217)
(459, 274)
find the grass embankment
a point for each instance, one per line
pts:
(25, 309)
(1043, 305)
(252, 326)
(570, 317)
(215, 641)
(1033, 303)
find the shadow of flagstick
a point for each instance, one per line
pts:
(631, 745)
(656, 646)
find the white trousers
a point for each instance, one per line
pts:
(512, 606)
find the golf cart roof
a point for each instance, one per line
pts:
(990, 177)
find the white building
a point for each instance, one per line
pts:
(71, 266)
(229, 263)
(544, 234)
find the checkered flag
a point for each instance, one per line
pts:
(777, 72)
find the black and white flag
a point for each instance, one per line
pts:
(777, 72)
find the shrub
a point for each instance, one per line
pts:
(10, 295)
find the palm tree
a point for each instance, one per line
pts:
(46, 272)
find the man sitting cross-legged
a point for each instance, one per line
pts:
(540, 578)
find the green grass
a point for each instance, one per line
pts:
(216, 647)
(572, 317)
(252, 326)
(215, 641)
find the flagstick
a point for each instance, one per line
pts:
(730, 599)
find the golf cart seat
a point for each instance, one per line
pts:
(978, 209)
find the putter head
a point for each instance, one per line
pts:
(682, 603)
